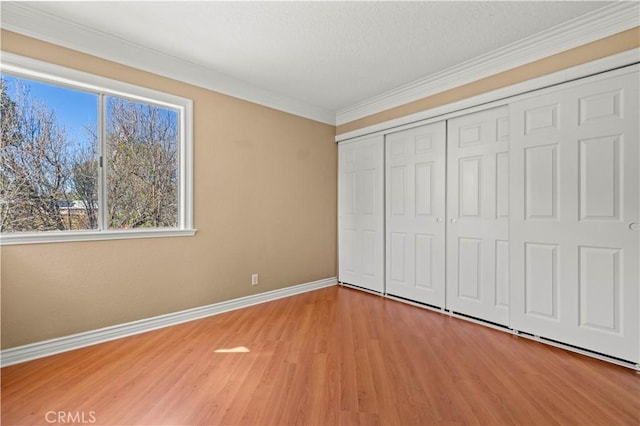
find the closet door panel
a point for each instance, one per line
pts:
(415, 207)
(478, 214)
(575, 191)
(361, 209)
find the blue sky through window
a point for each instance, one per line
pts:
(74, 109)
(142, 187)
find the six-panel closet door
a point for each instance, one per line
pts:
(575, 215)
(361, 213)
(478, 215)
(415, 212)
(538, 208)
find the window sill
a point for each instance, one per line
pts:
(68, 236)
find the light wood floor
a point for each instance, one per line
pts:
(328, 357)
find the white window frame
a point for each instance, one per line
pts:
(33, 69)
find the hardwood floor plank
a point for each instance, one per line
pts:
(335, 356)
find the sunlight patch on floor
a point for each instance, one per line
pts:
(239, 349)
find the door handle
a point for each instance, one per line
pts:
(453, 220)
(634, 226)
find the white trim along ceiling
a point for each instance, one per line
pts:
(495, 97)
(34, 19)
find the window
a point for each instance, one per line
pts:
(84, 157)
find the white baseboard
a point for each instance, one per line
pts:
(75, 341)
(525, 335)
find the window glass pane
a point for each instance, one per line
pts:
(48, 157)
(142, 165)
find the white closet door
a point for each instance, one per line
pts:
(415, 208)
(574, 214)
(361, 213)
(478, 215)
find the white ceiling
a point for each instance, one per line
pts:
(329, 55)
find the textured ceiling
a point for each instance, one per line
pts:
(328, 54)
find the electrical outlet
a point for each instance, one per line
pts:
(254, 279)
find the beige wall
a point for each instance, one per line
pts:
(265, 202)
(608, 46)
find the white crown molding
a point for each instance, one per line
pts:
(22, 18)
(75, 341)
(496, 97)
(587, 28)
